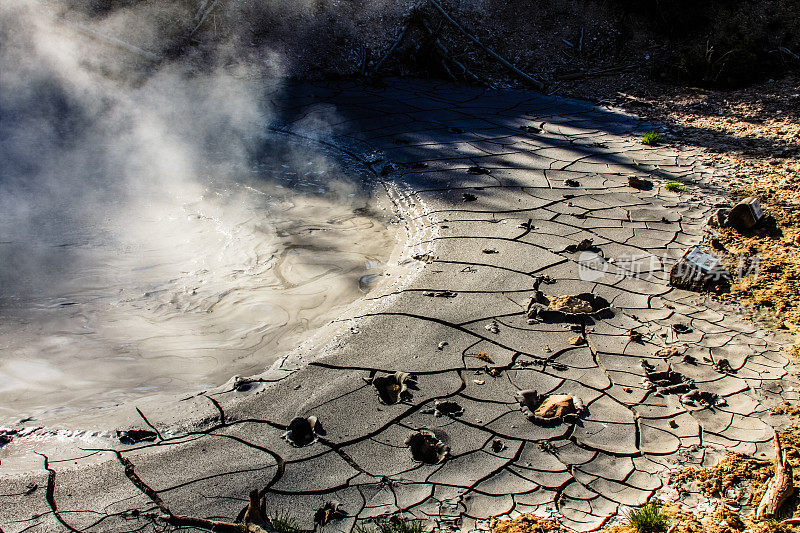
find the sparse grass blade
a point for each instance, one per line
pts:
(648, 519)
(283, 522)
(676, 186)
(652, 138)
(393, 525)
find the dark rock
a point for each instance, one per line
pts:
(640, 183)
(134, 436)
(468, 197)
(583, 246)
(448, 409)
(440, 294)
(723, 366)
(328, 512)
(745, 215)
(697, 398)
(478, 170)
(699, 271)
(498, 446)
(719, 218)
(567, 307)
(681, 328)
(572, 183)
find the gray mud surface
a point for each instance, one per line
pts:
(492, 233)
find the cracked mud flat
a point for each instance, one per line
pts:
(461, 328)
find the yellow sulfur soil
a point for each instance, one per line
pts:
(526, 523)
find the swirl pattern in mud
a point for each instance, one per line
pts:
(174, 292)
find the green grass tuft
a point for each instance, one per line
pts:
(648, 519)
(652, 138)
(394, 525)
(676, 186)
(283, 522)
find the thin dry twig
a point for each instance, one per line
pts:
(533, 81)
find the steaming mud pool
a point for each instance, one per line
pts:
(179, 290)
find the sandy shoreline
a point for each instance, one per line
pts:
(488, 234)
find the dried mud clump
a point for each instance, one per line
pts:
(566, 306)
(426, 447)
(526, 523)
(302, 431)
(549, 410)
(393, 388)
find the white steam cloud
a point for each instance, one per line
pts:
(93, 134)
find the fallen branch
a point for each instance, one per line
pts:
(254, 516)
(445, 54)
(391, 49)
(204, 16)
(594, 73)
(533, 81)
(112, 40)
(779, 487)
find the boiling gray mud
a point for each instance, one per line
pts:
(186, 287)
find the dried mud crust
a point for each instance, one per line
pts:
(753, 133)
(488, 459)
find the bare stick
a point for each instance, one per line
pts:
(112, 40)
(203, 18)
(391, 50)
(779, 488)
(533, 81)
(192, 521)
(445, 53)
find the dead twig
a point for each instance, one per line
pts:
(526, 77)
(254, 516)
(391, 49)
(202, 18)
(86, 30)
(444, 52)
(594, 73)
(779, 487)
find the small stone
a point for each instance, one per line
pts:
(745, 215)
(492, 327)
(634, 336)
(478, 381)
(442, 345)
(577, 340)
(570, 304)
(639, 183)
(478, 170)
(699, 271)
(556, 406)
(490, 251)
(669, 351)
(719, 218)
(572, 183)
(673, 424)
(467, 197)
